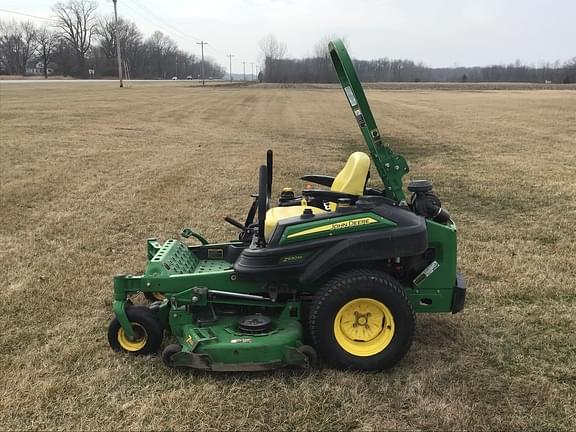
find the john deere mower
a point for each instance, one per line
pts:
(335, 274)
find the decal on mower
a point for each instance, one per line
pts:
(215, 253)
(291, 259)
(241, 340)
(350, 96)
(335, 226)
(431, 268)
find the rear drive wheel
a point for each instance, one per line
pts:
(147, 331)
(362, 319)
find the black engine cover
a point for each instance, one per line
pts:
(320, 256)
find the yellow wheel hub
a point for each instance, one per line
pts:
(138, 343)
(364, 327)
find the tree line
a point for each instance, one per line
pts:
(318, 69)
(79, 40)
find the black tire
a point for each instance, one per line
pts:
(168, 352)
(311, 356)
(148, 329)
(361, 286)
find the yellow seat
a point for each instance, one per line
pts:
(351, 180)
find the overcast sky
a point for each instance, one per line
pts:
(436, 32)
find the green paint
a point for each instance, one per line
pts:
(438, 287)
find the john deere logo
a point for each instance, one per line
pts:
(334, 227)
(352, 223)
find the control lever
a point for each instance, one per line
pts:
(234, 222)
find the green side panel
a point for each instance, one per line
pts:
(391, 166)
(335, 226)
(434, 293)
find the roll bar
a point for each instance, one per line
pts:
(391, 166)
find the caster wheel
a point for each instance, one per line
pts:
(147, 331)
(168, 352)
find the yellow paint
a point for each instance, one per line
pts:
(334, 227)
(352, 179)
(138, 343)
(364, 327)
(277, 213)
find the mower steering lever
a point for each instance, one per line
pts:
(234, 222)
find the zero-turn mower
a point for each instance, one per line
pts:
(333, 274)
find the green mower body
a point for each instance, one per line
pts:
(338, 277)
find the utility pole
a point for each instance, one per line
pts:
(202, 43)
(176, 65)
(244, 63)
(252, 78)
(117, 44)
(230, 57)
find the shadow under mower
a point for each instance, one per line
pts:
(334, 274)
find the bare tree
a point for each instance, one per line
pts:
(324, 70)
(17, 45)
(272, 48)
(29, 33)
(160, 49)
(77, 22)
(47, 40)
(130, 40)
(273, 52)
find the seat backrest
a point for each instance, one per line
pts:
(352, 178)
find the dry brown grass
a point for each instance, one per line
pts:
(88, 172)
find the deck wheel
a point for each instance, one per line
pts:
(147, 331)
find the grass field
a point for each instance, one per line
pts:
(88, 172)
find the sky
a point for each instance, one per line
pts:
(435, 32)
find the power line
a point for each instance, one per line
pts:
(28, 15)
(170, 27)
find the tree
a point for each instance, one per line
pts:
(77, 22)
(324, 70)
(17, 45)
(130, 43)
(273, 51)
(47, 41)
(160, 48)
